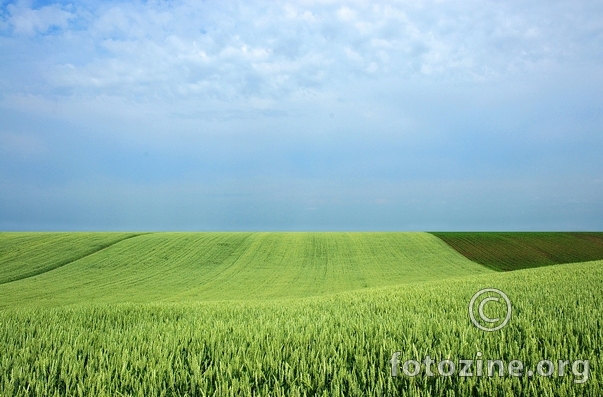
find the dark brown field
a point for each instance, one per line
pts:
(519, 250)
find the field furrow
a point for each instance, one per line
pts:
(24, 255)
(520, 250)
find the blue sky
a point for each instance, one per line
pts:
(305, 115)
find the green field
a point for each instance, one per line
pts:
(24, 255)
(520, 250)
(235, 266)
(279, 314)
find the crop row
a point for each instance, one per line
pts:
(519, 250)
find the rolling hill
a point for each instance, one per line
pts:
(231, 266)
(291, 314)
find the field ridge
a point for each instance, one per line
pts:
(39, 271)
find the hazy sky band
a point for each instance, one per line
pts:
(313, 115)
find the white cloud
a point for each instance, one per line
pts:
(27, 21)
(241, 52)
(346, 14)
(333, 91)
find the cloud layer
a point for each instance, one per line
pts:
(246, 99)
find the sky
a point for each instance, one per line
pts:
(301, 115)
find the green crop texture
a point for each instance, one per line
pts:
(286, 314)
(27, 254)
(520, 250)
(234, 266)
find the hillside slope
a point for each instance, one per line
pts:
(28, 254)
(335, 345)
(233, 266)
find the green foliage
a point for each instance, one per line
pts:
(233, 266)
(520, 250)
(336, 345)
